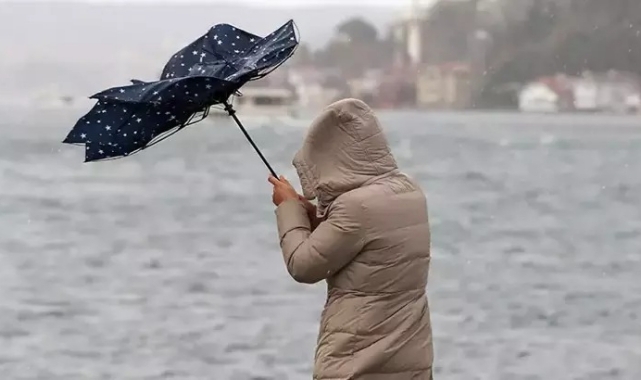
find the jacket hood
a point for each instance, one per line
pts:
(344, 148)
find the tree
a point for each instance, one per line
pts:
(355, 48)
(358, 30)
(303, 56)
(565, 37)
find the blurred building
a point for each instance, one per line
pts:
(367, 86)
(315, 87)
(443, 50)
(396, 86)
(444, 86)
(547, 95)
(612, 92)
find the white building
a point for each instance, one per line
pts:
(586, 95)
(310, 89)
(538, 97)
(609, 92)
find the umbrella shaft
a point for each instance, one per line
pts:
(230, 110)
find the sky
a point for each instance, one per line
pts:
(56, 44)
(273, 3)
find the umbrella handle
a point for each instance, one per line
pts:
(232, 112)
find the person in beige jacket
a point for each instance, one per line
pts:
(369, 238)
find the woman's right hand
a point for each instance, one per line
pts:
(311, 211)
(309, 206)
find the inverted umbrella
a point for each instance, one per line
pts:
(207, 72)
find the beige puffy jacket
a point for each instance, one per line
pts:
(372, 247)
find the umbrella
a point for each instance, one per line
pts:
(206, 72)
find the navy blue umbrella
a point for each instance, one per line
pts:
(207, 72)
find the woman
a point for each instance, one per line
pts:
(369, 238)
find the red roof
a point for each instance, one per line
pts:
(558, 84)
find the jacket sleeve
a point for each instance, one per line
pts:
(314, 256)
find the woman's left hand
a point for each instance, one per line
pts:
(283, 190)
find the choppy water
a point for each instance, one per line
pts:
(166, 265)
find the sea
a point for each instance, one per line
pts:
(166, 264)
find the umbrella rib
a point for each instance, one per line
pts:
(162, 136)
(170, 132)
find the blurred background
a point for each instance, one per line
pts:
(521, 119)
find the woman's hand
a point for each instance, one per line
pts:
(309, 206)
(311, 211)
(283, 190)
